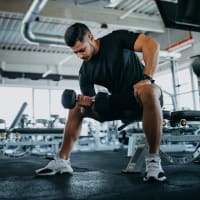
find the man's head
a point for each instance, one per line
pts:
(79, 38)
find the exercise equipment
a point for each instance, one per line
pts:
(185, 117)
(24, 121)
(180, 143)
(7, 134)
(101, 101)
(18, 117)
(69, 98)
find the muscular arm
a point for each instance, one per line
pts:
(87, 90)
(150, 50)
(86, 87)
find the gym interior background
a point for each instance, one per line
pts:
(36, 66)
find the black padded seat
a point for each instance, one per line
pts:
(2, 130)
(189, 115)
(38, 130)
(130, 116)
(166, 114)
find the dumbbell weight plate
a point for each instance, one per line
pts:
(68, 99)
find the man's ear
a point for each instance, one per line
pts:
(90, 37)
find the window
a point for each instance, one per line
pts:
(56, 106)
(185, 96)
(41, 104)
(11, 100)
(164, 80)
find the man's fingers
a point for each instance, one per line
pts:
(84, 100)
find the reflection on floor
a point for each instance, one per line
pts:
(97, 176)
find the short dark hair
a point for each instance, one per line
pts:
(75, 32)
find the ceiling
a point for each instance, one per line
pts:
(58, 14)
(102, 16)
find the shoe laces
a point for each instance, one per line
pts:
(153, 163)
(54, 163)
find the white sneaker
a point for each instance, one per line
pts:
(54, 167)
(154, 171)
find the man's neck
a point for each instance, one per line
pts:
(97, 46)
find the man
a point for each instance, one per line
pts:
(110, 61)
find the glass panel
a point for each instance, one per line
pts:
(164, 80)
(11, 100)
(56, 106)
(185, 98)
(41, 100)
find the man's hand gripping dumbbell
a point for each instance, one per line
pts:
(101, 101)
(70, 98)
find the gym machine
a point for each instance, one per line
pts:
(17, 141)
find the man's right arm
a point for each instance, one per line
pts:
(87, 90)
(86, 87)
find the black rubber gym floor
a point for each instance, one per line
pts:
(97, 176)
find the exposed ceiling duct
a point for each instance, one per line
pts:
(32, 15)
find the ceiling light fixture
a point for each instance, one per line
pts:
(113, 3)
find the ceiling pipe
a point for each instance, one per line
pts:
(30, 16)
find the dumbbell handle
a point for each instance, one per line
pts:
(85, 100)
(101, 100)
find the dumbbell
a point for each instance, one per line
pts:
(101, 102)
(69, 98)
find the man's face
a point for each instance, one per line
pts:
(84, 50)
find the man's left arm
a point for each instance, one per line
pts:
(150, 50)
(149, 47)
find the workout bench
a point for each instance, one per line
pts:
(186, 128)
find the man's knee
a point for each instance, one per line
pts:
(150, 94)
